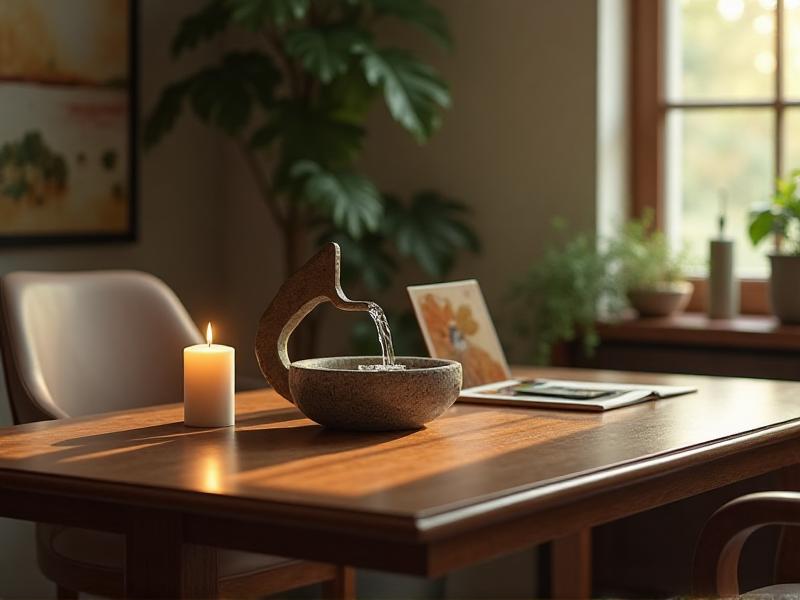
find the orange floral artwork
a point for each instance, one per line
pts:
(454, 331)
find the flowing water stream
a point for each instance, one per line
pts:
(385, 340)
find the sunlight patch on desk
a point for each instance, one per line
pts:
(482, 436)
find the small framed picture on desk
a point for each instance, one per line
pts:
(456, 325)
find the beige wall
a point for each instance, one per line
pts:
(181, 241)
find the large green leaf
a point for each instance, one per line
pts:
(787, 188)
(761, 226)
(349, 97)
(431, 230)
(221, 99)
(258, 71)
(420, 13)
(255, 13)
(326, 53)
(264, 136)
(310, 134)
(209, 22)
(349, 199)
(222, 95)
(414, 92)
(792, 208)
(162, 119)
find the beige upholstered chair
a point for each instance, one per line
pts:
(89, 342)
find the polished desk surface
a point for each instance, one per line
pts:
(474, 462)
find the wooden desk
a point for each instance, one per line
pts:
(746, 346)
(478, 482)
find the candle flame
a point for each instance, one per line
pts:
(209, 336)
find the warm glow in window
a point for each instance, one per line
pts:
(732, 86)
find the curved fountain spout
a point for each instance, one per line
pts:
(315, 282)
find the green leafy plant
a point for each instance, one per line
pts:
(643, 258)
(580, 278)
(560, 297)
(296, 107)
(781, 218)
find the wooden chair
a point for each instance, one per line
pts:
(716, 560)
(90, 342)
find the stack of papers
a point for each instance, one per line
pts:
(565, 394)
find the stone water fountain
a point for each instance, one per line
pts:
(369, 393)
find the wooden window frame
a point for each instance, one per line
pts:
(649, 107)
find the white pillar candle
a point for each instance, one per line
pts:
(208, 384)
(723, 287)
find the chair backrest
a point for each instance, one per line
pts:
(90, 342)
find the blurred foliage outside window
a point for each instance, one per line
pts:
(723, 52)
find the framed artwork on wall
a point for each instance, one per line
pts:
(68, 126)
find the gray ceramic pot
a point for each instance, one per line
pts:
(334, 393)
(784, 287)
(662, 301)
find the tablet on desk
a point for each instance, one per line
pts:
(537, 388)
(573, 395)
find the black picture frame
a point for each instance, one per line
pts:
(132, 232)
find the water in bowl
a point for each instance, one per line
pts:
(385, 340)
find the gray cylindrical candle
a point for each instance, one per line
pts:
(723, 289)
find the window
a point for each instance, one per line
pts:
(716, 115)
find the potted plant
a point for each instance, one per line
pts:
(562, 295)
(648, 271)
(781, 219)
(580, 280)
(295, 106)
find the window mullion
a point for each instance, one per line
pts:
(650, 107)
(779, 99)
(647, 72)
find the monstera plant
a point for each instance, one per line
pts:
(295, 106)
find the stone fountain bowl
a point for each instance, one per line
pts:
(334, 393)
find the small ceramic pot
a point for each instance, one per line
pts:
(784, 287)
(334, 393)
(662, 301)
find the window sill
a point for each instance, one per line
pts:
(753, 296)
(696, 329)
